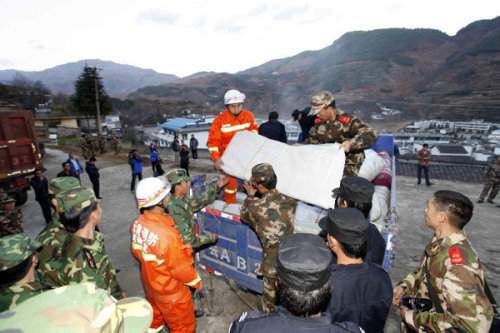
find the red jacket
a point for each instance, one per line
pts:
(223, 129)
(166, 262)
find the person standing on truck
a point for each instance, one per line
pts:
(18, 260)
(11, 218)
(167, 269)
(362, 291)
(491, 181)
(74, 165)
(349, 131)
(304, 288)
(53, 236)
(232, 120)
(424, 159)
(272, 219)
(450, 274)
(273, 129)
(40, 185)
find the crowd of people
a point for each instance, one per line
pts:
(331, 282)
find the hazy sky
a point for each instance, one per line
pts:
(185, 37)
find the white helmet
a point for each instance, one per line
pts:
(150, 191)
(233, 97)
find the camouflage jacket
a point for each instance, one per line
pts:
(86, 260)
(52, 238)
(182, 211)
(457, 277)
(10, 223)
(344, 127)
(272, 219)
(18, 293)
(493, 172)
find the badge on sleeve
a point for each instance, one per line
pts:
(455, 256)
(345, 119)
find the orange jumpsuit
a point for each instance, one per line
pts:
(220, 134)
(167, 271)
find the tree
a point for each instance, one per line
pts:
(28, 93)
(85, 97)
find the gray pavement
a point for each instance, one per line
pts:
(224, 303)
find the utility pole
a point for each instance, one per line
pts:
(98, 120)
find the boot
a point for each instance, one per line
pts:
(480, 201)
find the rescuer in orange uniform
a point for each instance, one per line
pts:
(167, 269)
(232, 120)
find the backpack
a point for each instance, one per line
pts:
(175, 145)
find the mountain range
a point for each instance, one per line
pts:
(423, 73)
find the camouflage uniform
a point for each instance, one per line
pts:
(86, 260)
(10, 221)
(102, 142)
(84, 147)
(183, 210)
(15, 250)
(457, 277)
(115, 141)
(491, 181)
(343, 127)
(53, 236)
(272, 219)
(78, 308)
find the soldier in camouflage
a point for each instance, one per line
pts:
(18, 259)
(491, 181)
(454, 270)
(53, 236)
(78, 308)
(84, 257)
(84, 147)
(339, 127)
(10, 217)
(102, 142)
(272, 219)
(182, 208)
(115, 141)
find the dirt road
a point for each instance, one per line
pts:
(225, 305)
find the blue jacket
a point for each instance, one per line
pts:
(135, 164)
(72, 167)
(153, 153)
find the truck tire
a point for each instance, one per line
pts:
(21, 197)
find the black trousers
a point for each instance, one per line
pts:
(426, 173)
(95, 185)
(195, 153)
(185, 166)
(47, 213)
(135, 175)
(153, 165)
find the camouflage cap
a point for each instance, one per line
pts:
(78, 308)
(14, 249)
(262, 172)
(61, 184)
(320, 101)
(175, 176)
(79, 198)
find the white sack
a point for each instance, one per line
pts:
(372, 165)
(308, 173)
(380, 204)
(307, 218)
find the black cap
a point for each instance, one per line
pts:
(347, 225)
(295, 114)
(355, 189)
(304, 262)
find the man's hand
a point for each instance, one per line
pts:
(123, 295)
(249, 188)
(222, 181)
(346, 145)
(214, 238)
(397, 293)
(218, 164)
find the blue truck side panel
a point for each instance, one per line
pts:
(238, 253)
